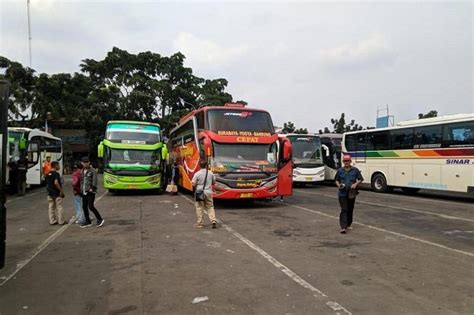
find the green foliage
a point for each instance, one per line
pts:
(144, 86)
(340, 126)
(431, 113)
(289, 127)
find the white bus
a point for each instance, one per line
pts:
(332, 148)
(433, 153)
(308, 164)
(27, 149)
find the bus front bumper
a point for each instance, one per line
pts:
(308, 178)
(256, 193)
(131, 182)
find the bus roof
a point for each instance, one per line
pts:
(421, 122)
(331, 135)
(440, 119)
(133, 122)
(36, 132)
(299, 135)
(226, 106)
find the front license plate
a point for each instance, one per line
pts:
(308, 179)
(246, 195)
(132, 186)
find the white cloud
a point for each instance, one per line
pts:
(206, 53)
(370, 52)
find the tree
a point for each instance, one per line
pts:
(302, 131)
(431, 113)
(288, 127)
(22, 89)
(144, 86)
(326, 130)
(340, 126)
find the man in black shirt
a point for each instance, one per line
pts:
(55, 195)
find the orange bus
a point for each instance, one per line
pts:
(242, 148)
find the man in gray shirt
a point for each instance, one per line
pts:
(198, 183)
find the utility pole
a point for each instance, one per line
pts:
(4, 92)
(29, 30)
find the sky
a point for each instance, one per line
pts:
(305, 62)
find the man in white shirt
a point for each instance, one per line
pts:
(199, 179)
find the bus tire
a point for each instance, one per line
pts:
(379, 183)
(410, 190)
(112, 191)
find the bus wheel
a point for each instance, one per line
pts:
(112, 191)
(379, 183)
(410, 190)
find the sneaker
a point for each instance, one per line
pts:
(55, 223)
(199, 225)
(85, 225)
(343, 231)
(350, 228)
(214, 224)
(99, 224)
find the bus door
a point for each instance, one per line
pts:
(361, 145)
(33, 175)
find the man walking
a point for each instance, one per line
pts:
(203, 181)
(348, 178)
(55, 195)
(88, 190)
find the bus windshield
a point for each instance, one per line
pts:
(14, 145)
(233, 120)
(246, 158)
(133, 133)
(133, 157)
(306, 150)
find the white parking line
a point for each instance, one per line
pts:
(444, 216)
(336, 307)
(26, 196)
(422, 197)
(40, 248)
(387, 231)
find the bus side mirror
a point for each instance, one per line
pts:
(164, 153)
(326, 150)
(207, 146)
(100, 150)
(287, 149)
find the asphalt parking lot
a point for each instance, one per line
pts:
(406, 255)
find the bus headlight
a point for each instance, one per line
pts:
(320, 173)
(111, 180)
(271, 183)
(221, 187)
(154, 179)
(296, 172)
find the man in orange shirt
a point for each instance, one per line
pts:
(47, 166)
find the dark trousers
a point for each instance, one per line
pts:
(88, 204)
(347, 209)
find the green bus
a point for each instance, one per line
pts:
(134, 156)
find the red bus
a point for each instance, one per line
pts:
(242, 148)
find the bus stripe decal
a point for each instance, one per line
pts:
(414, 153)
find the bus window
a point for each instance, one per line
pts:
(402, 139)
(200, 120)
(378, 140)
(429, 136)
(350, 142)
(233, 120)
(458, 134)
(361, 142)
